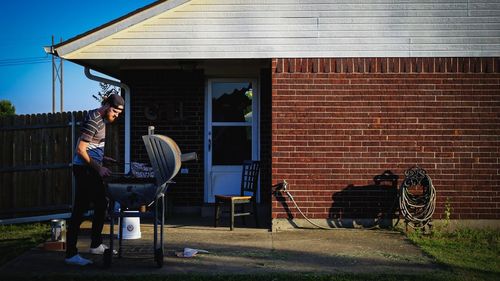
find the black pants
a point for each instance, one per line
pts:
(89, 188)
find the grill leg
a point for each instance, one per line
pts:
(162, 220)
(155, 225)
(158, 247)
(120, 231)
(106, 257)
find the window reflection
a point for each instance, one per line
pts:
(232, 102)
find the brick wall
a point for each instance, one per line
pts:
(336, 123)
(177, 99)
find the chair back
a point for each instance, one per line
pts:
(250, 177)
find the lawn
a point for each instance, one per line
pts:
(469, 254)
(466, 255)
(15, 239)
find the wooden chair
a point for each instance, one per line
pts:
(249, 184)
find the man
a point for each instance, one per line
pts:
(89, 172)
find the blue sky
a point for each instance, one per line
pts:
(27, 26)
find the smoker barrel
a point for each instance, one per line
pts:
(165, 158)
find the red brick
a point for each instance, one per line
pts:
(416, 65)
(440, 65)
(463, 65)
(359, 65)
(487, 64)
(54, 246)
(279, 65)
(348, 125)
(475, 65)
(304, 65)
(451, 65)
(428, 65)
(393, 65)
(286, 65)
(315, 66)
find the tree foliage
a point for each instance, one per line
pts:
(106, 90)
(6, 108)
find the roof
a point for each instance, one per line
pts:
(116, 25)
(236, 29)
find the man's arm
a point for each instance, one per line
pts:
(81, 150)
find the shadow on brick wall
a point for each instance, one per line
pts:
(366, 206)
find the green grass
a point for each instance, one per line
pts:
(470, 254)
(15, 239)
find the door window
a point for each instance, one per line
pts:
(232, 102)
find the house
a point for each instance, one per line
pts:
(327, 94)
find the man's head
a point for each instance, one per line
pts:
(113, 106)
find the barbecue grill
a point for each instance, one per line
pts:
(131, 193)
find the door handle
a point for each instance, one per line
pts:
(209, 141)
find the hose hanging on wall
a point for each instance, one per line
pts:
(417, 198)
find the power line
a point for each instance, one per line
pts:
(23, 61)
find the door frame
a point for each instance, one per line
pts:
(208, 196)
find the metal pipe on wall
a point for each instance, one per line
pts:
(126, 88)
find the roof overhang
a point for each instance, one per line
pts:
(85, 39)
(167, 32)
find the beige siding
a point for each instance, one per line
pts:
(308, 28)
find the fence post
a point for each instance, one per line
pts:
(73, 126)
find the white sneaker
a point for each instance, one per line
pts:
(99, 250)
(78, 260)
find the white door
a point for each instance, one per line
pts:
(231, 133)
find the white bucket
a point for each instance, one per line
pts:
(131, 226)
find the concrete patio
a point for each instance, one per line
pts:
(243, 251)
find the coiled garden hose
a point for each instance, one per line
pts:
(417, 198)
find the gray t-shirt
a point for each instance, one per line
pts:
(93, 131)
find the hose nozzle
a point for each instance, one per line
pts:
(282, 186)
(285, 185)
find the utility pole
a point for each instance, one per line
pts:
(57, 73)
(61, 87)
(53, 80)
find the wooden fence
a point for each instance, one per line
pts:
(36, 152)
